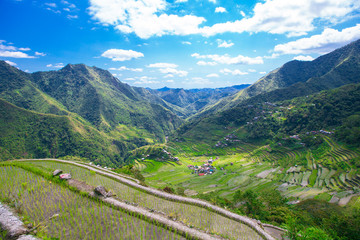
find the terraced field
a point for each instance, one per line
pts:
(61, 213)
(301, 172)
(189, 214)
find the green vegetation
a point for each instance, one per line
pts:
(58, 212)
(189, 214)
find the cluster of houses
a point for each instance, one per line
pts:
(229, 138)
(205, 169)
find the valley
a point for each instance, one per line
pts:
(278, 157)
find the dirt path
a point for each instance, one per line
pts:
(256, 225)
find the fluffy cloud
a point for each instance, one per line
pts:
(121, 55)
(173, 71)
(226, 59)
(56, 65)
(40, 54)
(325, 42)
(169, 69)
(145, 80)
(212, 75)
(51, 5)
(224, 44)
(294, 18)
(12, 51)
(186, 43)
(235, 72)
(203, 63)
(162, 65)
(123, 68)
(144, 18)
(15, 54)
(303, 58)
(220, 10)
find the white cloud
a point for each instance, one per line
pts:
(186, 43)
(212, 1)
(226, 59)
(169, 76)
(53, 5)
(162, 65)
(203, 63)
(173, 71)
(220, 10)
(121, 55)
(242, 13)
(272, 56)
(130, 79)
(11, 63)
(56, 65)
(212, 75)
(181, 1)
(325, 42)
(15, 54)
(262, 72)
(145, 80)
(169, 81)
(224, 44)
(12, 51)
(123, 68)
(40, 54)
(251, 70)
(303, 58)
(235, 72)
(24, 49)
(144, 18)
(294, 18)
(72, 17)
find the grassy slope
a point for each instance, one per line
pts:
(26, 134)
(323, 166)
(101, 99)
(297, 78)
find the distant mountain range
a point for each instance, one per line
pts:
(194, 100)
(299, 78)
(86, 112)
(294, 79)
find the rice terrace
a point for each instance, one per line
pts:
(180, 119)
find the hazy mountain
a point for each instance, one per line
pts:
(194, 100)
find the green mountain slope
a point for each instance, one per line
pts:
(17, 88)
(299, 78)
(104, 101)
(27, 134)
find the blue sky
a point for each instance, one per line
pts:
(177, 43)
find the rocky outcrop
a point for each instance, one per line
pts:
(14, 227)
(101, 191)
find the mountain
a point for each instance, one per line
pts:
(28, 134)
(294, 79)
(97, 107)
(103, 100)
(17, 87)
(194, 100)
(300, 78)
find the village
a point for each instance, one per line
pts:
(205, 169)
